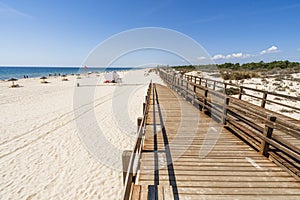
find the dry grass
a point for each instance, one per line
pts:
(238, 75)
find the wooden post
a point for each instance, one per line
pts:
(125, 162)
(225, 87)
(264, 148)
(205, 99)
(263, 101)
(214, 87)
(139, 123)
(144, 107)
(205, 82)
(181, 88)
(187, 86)
(200, 80)
(241, 92)
(225, 106)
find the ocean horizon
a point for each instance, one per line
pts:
(7, 72)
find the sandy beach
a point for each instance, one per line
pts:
(41, 153)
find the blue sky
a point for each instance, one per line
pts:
(62, 33)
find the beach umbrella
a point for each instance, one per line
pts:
(64, 77)
(13, 80)
(43, 78)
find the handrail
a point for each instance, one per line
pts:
(241, 117)
(135, 155)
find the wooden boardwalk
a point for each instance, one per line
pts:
(187, 155)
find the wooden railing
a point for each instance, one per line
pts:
(272, 134)
(244, 91)
(134, 159)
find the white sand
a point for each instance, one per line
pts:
(41, 154)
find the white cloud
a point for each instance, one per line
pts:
(230, 56)
(247, 55)
(298, 49)
(218, 56)
(201, 58)
(272, 49)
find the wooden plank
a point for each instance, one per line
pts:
(231, 184)
(148, 158)
(144, 192)
(168, 193)
(160, 192)
(243, 197)
(229, 174)
(191, 164)
(219, 168)
(245, 191)
(219, 178)
(136, 194)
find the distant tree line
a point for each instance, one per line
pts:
(246, 66)
(259, 65)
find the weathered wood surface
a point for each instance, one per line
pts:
(187, 155)
(244, 119)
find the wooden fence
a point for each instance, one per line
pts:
(272, 134)
(262, 95)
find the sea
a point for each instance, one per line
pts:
(34, 72)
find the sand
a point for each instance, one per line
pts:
(42, 154)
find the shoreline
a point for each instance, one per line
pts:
(36, 72)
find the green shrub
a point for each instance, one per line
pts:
(232, 91)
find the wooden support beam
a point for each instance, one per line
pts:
(125, 162)
(144, 107)
(226, 103)
(264, 99)
(241, 92)
(268, 133)
(205, 99)
(139, 123)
